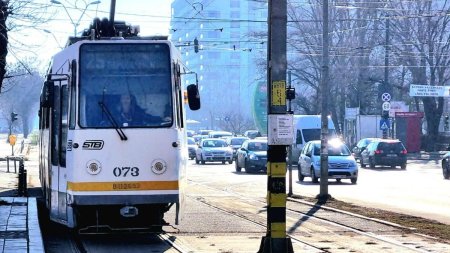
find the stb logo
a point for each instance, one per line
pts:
(93, 144)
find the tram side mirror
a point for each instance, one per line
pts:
(193, 97)
(47, 94)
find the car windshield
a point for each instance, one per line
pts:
(191, 141)
(257, 146)
(214, 143)
(237, 141)
(333, 150)
(314, 134)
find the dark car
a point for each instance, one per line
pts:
(235, 143)
(192, 147)
(384, 152)
(361, 146)
(252, 156)
(446, 165)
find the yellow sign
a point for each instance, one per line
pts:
(185, 97)
(12, 139)
(278, 93)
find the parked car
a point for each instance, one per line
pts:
(235, 143)
(361, 146)
(252, 156)
(190, 133)
(384, 152)
(192, 146)
(213, 150)
(445, 162)
(341, 163)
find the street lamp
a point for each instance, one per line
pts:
(75, 25)
(47, 31)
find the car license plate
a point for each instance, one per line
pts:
(339, 176)
(392, 155)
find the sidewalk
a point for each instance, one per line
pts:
(422, 155)
(19, 223)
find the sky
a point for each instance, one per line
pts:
(43, 41)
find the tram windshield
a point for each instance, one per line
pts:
(125, 85)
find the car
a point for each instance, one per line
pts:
(190, 133)
(252, 134)
(213, 150)
(235, 143)
(388, 152)
(445, 162)
(252, 156)
(361, 145)
(220, 134)
(341, 163)
(192, 147)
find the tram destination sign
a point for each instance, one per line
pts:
(428, 91)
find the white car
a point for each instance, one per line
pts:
(213, 150)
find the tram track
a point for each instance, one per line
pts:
(306, 216)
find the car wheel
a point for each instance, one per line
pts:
(403, 166)
(246, 167)
(196, 160)
(238, 169)
(362, 163)
(230, 161)
(203, 161)
(371, 163)
(446, 169)
(338, 180)
(353, 180)
(223, 162)
(300, 175)
(313, 176)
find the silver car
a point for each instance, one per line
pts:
(213, 150)
(341, 163)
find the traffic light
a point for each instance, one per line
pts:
(196, 45)
(13, 116)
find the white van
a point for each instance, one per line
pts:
(308, 128)
(219, 134)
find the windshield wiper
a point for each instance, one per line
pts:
(116, 126)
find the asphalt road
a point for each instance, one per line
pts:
(419, 190)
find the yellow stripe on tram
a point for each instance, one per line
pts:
(123, 186)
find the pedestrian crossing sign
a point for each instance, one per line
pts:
(384, 124)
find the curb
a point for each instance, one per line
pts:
(35, 241)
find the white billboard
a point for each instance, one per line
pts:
(428, 91)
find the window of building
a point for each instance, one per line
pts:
(235, 24)
(213, 14)
(213, 34)
(235, 14)
(235, 4)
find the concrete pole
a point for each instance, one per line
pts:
(323, 195)
(276, 239)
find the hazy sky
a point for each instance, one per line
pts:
(153, 17)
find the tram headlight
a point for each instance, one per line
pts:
(159, 166)
(93, 167)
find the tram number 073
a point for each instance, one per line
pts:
(126, 171)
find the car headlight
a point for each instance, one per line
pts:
(253, 157)
(317, 163)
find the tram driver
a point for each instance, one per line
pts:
(130, 114)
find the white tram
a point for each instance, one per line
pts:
(102, 166)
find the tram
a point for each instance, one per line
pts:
(113, 145)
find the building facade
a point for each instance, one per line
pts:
(231, 38)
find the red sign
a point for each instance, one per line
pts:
(409, 114)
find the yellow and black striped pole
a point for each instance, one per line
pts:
(279, 130)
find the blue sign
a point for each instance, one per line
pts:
(384, 124)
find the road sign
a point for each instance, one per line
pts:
(386, 106)
(428, 91)
(384, 124)
(386, 97)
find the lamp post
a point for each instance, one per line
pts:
(75, 25)
(54, 37)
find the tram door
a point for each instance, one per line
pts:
(58, 151)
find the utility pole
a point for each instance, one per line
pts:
(323, 195)
(280, 131)
(385, 92)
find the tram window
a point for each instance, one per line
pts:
(55, 127)
(64, 125)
